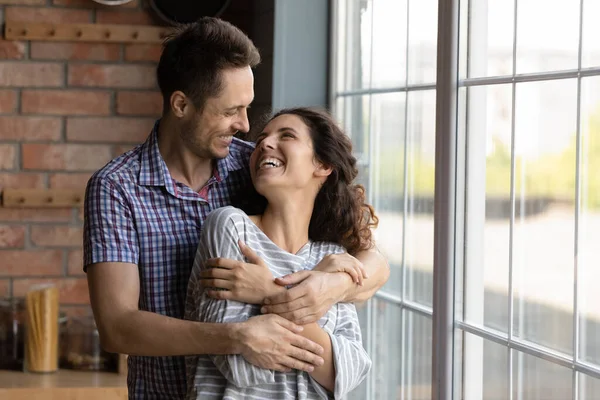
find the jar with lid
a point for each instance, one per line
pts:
(12, 337)
(80, 346)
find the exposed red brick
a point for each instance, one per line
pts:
(65, 102)
(7, 156)
(75, 51)
(12, 50)
(72, 290)
(35, 215)
(118, 150)
(128, 130)
(31, 74)
(8, 101)
(46, 14)
(124, 17)
(31, 262)
(75, 262)
(30, 128)
(92, 4)
(143, 52)
(69, 181)
(21, 180)
(139, 103)
(67, 157)
(57, 235)
(120, 76)
(12, 236)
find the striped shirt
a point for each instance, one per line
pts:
(232, 377)
(135, 212)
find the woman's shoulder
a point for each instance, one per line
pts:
(222, 215)
(321, 248)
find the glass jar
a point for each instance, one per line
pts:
(12, 337)
(80, 347)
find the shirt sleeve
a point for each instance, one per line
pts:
(109, 233)
(351, 361)
(219, 238)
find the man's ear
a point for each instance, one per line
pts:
(323, 170)
(180, 104)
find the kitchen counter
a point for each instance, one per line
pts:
(62, 385)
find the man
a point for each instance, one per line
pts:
(143, 215)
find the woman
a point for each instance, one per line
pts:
(304, 167)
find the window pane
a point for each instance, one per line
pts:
(387, 188)
(420, 145)
(547, 35)
(387, 354)
(543, 240)
(422, 41)
(484, 368)
(536, 379)
(590, 56)
(487, 217)
(589, 222)
(389, 43)
(589, 388)
(491, 33)
(353, 40)
(417, 356)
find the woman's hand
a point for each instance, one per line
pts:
(343, 262)
(249, 282)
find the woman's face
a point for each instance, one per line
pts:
(284, 158)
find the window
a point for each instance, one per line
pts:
(525, 266)
(384, 95)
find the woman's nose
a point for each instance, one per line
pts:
(267, 143)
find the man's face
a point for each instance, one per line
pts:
(209, 133)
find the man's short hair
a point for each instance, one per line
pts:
(194, 56)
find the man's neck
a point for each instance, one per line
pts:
(183, 165)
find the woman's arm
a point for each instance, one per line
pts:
(324, 374)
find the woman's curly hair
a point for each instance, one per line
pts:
(341, 214)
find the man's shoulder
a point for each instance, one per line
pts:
(124, 168)
(241, 149)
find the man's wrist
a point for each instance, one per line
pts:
(235, 337)
(346, 286)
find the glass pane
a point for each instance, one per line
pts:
(589, 222)
(543, 237)
(353, 41)
(387, 186)
(589, 388)
(487, 217)
(422, 41)
(537, 379)
(389, 43)
(590, 56)
(387, 353)
(491, 33)
(420, 145)
(353, 113)
(484, 368)
(547, 35)
(360, 393)
(417, 356)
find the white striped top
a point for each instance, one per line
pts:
(231, 376)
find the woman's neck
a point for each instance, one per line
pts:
(286, 224)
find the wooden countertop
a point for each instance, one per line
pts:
(62, 385)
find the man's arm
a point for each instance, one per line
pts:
(123, 328)
(377, 271)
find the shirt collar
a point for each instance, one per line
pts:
(154, 171)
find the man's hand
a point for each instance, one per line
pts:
(314, 294)
(343, 262)
(272, 342)
(247, 282)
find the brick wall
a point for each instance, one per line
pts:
(65, 110)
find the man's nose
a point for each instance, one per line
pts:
(242, 123)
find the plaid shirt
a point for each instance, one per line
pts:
(135, 212)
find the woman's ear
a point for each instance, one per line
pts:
(323, 170)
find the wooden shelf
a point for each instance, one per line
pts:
(42, 198)
(110, 33)
(63, 385)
